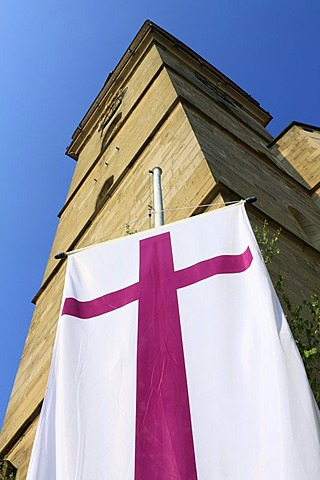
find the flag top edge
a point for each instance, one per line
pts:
(155, 229)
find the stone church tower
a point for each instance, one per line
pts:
(163, 105)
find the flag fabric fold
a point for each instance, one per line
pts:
(173, 361)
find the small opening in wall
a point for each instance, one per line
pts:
(7, 470)
(109, 131)
(308, 226)
(103, 194)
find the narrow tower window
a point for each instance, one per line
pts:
(103, 195)
(308, 226)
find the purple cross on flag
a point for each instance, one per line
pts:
(173, 361)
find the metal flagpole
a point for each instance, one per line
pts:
(157, 197)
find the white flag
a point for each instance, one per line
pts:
(173, 361)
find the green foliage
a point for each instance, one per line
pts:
(7, 471)
(303, 317)
(128, 232)
(10, 476)
(304, 321)
(267, 245)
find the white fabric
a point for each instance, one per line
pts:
(253, 414)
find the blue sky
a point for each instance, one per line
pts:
(55, 57)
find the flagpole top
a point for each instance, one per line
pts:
(250, 200)
(156, 169)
